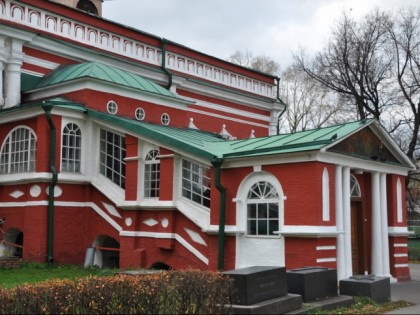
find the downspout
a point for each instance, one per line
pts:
(164, 42)
(217, 163)
(278, 98)
(50, 232)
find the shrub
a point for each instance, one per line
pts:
(168, 292)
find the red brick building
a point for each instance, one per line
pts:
(120, 148)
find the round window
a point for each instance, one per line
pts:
(140, 114)
(165, 119)
(112, 107)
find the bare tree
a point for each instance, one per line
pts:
(356, 63)
(260, 63)
(309, 104)
(405, 38)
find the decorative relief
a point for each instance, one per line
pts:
(16, 194)
(35, 191)
(111, 210)
(195, 237)
(150, 222)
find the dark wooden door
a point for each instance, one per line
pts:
(357, 238)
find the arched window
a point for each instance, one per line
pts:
(151, 174)
(262, 209)
(18, 153)
(87, 6)
(71, 148)
(354, 187)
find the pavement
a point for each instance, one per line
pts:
(408, 291)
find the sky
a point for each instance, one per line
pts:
(274, 28)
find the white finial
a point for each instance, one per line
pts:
(191, 124)
(252, 134)
(225, 134)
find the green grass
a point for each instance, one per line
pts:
(36, 272)
(414, 243)
(364, 305)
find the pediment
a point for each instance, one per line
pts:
(366, 144)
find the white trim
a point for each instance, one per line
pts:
(400, 245)
(399, 202)
(399, 231)
(325, 195)
(40, 62)
(326, 248)
(321, 260)
(228, 110)
(401, 265)
(400, 255)
(175, 236)
(309, 231)
(227, 118)
(33, 73)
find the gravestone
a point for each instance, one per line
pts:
(262, 290)
(374, 287)
(259, 283)
(312, 283)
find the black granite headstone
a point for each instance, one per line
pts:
(313, 283)
(259, 283)
(374, 287)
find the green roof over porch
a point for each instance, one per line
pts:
(99, 71)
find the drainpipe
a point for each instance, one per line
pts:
(278, 98)
(50, 234)
(164, 42)
(217, 163)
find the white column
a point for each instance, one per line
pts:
(341, 261)
(274, 121)
(377, 261)
(384, 224)
(2, 60)
(13, 74)
(347, 221)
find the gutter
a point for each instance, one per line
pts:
(50, 232)
(285, 106)
(164, 42)
(217, 163)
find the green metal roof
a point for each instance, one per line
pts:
(293, 142)
(104, 73)
(211, 146)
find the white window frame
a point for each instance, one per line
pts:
(110, 172)
(196, 183)
(152, 174)
(268, 199)
(73, 158)
(25, 159)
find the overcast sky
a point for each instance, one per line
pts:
(275, 28)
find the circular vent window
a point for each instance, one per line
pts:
(112, 107)
(140, 114)
(165, 119)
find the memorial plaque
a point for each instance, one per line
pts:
(374, 287)
(259, 283)
(313, 283)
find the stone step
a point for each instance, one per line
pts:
(326, 304)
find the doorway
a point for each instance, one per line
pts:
(357, 238)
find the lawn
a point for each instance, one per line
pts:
(36, 272)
